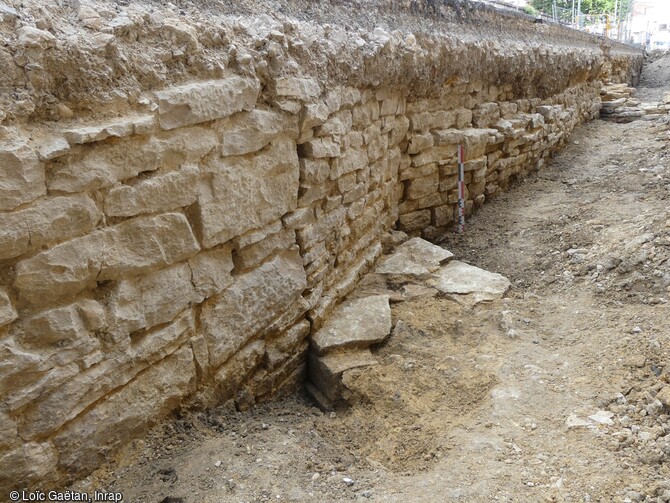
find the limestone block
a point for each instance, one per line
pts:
(250, 303)
(52, 147)
(211, 271)
(313, 115)
(485, 115)
(247, 192)
(162, 192)
(460, 278)
(326, 371)
(314, 171)
(69, 398)
(7, 430)
(254, 254)
(7, 311)
(421, 187)
(89, 439)
(237, 370)
(303, 89)
(420, 142)
(398, 129)
(31, 463)
(414, 221)
(416, 258)
(339, 123)
(424, 121)
(310, 193)
(434, 154)
(46, 221)
(256, 235)
(463, 118)
(351, 160)
(115, 128)
(320, 147)
(247, 132)
(127, 249)
(67, 326)
(21, 175)
(279, 348)
(107, 164)
(356, 323)
(205, 101)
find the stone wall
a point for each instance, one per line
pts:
(175, 240)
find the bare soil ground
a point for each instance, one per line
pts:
(489, 403)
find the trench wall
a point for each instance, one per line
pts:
(168, 242)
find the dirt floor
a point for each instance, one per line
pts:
(490, 403)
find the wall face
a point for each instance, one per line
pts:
(183, 248)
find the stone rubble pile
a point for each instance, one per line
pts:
(416, 268)
(619, 105)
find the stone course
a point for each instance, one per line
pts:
(186, 242)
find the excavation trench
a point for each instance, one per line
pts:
(190, 192)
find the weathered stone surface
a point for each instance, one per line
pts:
(356, 323)
(247, 192)
(414, 258)
(21, 175)
(326, 371)
(151, 300)
(35, 38)
(109, 163)
(414, 221)
(89, 440)
(253, 301)
(257, 252)
(464, 279)
(320, 147)
(7, 430)
(238, 369)
(76, 394)
(205, 101)
(422, 186)
(31, 463)
(126, 249)
(70, 326)
(162, 192)
(116, 128)
(46, 221)
(211, 271)
(280, 348)
(247, 132)
(52, 147)
(7, 311)
(299, 88)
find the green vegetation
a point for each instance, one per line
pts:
(588, 6)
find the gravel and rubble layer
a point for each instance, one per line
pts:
(67, 60)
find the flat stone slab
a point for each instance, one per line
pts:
(464, 279)
(416, 258)
(356, 323)
(325, 372)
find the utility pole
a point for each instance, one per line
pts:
(579, 14)
(616, 18)
(572, 22)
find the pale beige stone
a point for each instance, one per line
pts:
(423, 186)
(163, 192)
(239, 367)
(45, 222)
(254, 254)
(321, 147)
(8, 434)
(77, 393)
(21, 175)
(114, 128)
(414, 258)
(33, 38)
(93, 436)
(247, 132)
(127, 249)
(52, 147)
(356, 323)
(7, 311)
(109, 163)
(252, 302)
(247, 192)
(314, 171)
(351, 160)
(211, 271)
(205, 101)
(25, 466)
(295, 87)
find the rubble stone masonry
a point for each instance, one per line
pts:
(173, 227)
